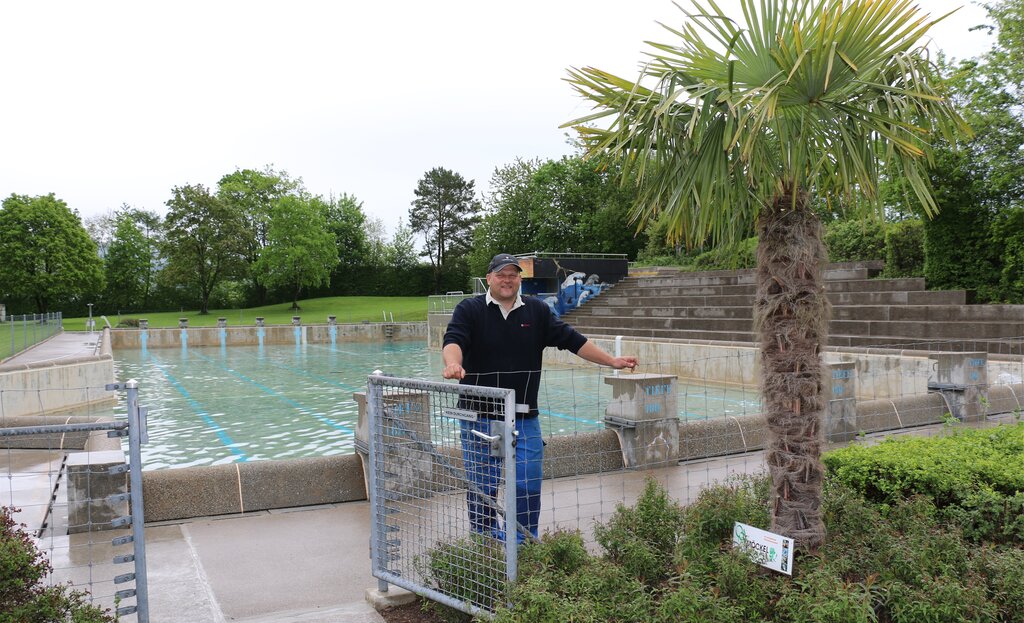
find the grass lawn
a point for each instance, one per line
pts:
(348, 309)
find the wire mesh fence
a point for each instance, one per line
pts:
(689, 423)
(17, 333)
(71, 489)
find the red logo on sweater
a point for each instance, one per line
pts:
(525, 325)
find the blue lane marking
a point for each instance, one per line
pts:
(202, 413)
(285, 399)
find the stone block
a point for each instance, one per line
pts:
(89, 487)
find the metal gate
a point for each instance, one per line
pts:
(437, 484)
(81, 561)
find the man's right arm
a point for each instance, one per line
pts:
(451, 354)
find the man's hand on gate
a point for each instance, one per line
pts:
(453, 371)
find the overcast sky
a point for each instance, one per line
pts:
(111, 103)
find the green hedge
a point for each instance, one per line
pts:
(904, 249)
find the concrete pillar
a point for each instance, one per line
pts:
(962, 379)
(406, 421)
(259, 321)
(222, 323)
(3, 313)
(296, 320)
(644, 413)
(182, 323)
(841, 416)
(332, 320)
(90, 484)
(143, 323)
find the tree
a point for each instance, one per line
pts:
(400, 253)
(129, 262)
(745, 122)
(252, 193)
(45, 252)
(445, 211)
(300, 249)
(205, 241)
(347, 221)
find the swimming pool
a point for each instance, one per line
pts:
(215, 405)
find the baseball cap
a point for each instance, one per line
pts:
(502, 260)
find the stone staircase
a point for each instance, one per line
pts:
(666, 303)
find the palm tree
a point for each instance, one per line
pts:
(742, 124)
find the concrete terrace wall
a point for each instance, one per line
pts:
(272, 334)
(880, 374)
(51, 387)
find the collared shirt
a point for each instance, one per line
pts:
(505, 312)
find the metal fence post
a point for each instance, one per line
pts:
(511, 514)
(374, 397)
(136, 436)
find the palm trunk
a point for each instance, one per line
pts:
(791, 314)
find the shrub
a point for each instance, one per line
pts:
(23, 596)
(904, 249)
(642, 539)
(855, 241)
(470, 569)
(743, 254)
(945, 468)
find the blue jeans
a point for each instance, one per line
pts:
(484, 471)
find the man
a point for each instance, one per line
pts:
(498, 340)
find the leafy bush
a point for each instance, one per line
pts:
(743, 254)
(470, 569)
(855, 241)
(24, 598)
(642, 539)
(945, 469)
(904, 249)
(1008, 235)
(899, 561)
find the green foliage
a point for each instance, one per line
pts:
(445, 212)
(958, 254)
(45, 253)
(556, 206)
(904, 249)
(300, 250)
(900, 561)
(470, 569)
(855, 241)
(743, 254)
(1008, 235)
(24, 595)
(642, 539)
(130, 261)
(251, 194)
(205, 242)
(942, 468)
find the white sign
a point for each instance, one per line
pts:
(765, 548)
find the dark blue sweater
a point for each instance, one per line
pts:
(499, 352)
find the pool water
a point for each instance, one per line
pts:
(211, 405)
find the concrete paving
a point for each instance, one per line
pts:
(64, 345)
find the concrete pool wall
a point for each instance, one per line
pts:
(270, 334)
(56, 385)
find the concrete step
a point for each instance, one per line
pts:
(938, 330)
(623, 298)
(834, 272)
(652, 308)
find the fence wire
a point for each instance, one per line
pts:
(73, 491)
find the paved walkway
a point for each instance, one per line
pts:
(64, 345)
